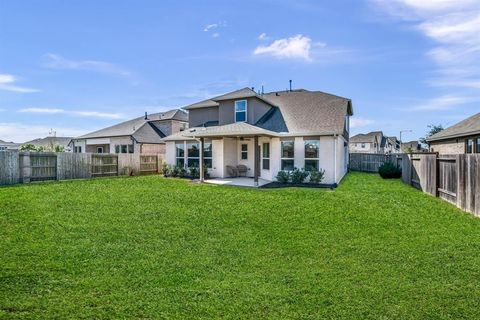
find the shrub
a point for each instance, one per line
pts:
(194, 172)
(164, 169)
(390, 171)
(182, 172)
(283, 176)
(299, 175)
(317, 176)
(174, 171)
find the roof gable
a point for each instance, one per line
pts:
(465, 127)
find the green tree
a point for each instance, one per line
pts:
(432, 129)
(28, 147)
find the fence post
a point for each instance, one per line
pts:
(460, 163)
(25, 167)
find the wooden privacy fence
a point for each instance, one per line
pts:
(24, 167)
(370, 162)
(454, 178)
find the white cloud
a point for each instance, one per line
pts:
(210, 26)
(7, 83)
(55, 61)
(360, 122)
(454, 25)
(91, 114)
(263, 36)
(445, 102)
(215, 35)
(21, 132)
(297, 47)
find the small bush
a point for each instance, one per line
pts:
(299, 175)
(317, 176)
(174, 171)
(283, 176)
(194, 172)
(182, 172)
(390, 171)
(164, 169)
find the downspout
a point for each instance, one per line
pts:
(335, 158)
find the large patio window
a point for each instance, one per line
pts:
(266, 156)
(287, 155)
(311, 155)
(241, 111)
(469, 147)
(193, 153)
(180, 154)
(207, 154)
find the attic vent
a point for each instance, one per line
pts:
(146, 116)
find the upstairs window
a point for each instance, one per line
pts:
(241, 111)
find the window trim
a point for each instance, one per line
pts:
(176, 155)
(282, 158)
(210, 157)
(473, 145)
(263, 155)
(235, 110)
(305, 159)
(188, 157)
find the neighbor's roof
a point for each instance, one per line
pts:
(140, 128)
(466, 127)
(6, 143)
(47, 141)
(232, 130)
(364, 137)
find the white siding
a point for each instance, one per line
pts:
(170, 153)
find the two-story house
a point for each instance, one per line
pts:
(266, 133)
(374, 142)
(140, 135)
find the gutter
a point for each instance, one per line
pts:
(335, 137)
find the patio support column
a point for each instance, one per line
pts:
(202, 142)
(256, 158)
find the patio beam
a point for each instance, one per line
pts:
(256, 158)
(202, 142)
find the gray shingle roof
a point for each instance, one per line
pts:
(370, 138)
(131, 127)
(466, 127)
(48, 141)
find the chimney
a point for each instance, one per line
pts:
(290, 85)
(262, 90)
(146, 117)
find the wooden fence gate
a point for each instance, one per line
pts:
(370, 162)
(104, 165)
(148, 164)
(43, 166)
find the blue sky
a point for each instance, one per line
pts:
(77, 66)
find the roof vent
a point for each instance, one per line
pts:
(146, 116)
(290, 81)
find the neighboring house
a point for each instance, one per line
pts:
(374, 142)
(412, 146)
(141, 135)
(463, 137)
(4, 145)
(48, 143)
(266, 133)
(392, 145)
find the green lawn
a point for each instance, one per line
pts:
(149, 247)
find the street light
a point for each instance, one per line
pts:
(401, 131)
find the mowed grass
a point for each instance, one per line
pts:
(149, 247)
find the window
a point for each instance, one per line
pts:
(363, 145)
(241, 111)
(469, 148)
(207, 154)
(180, 154)
(99, 149)
(2, 148)
(124, 148)
(266, 156)
(244, 155)
(193, 153)
(478, 145)
(77, 149)
(311, 155)
(287, 155)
